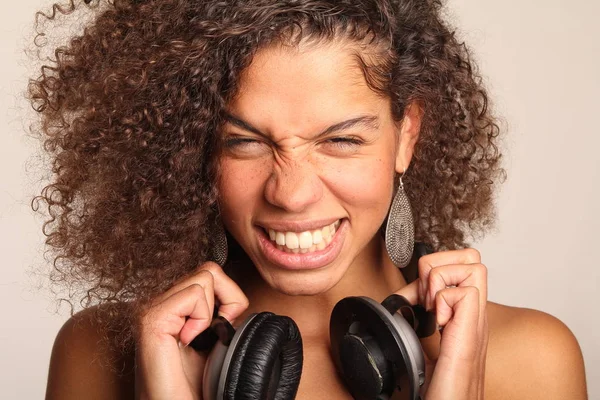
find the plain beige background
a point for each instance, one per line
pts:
(540, 59)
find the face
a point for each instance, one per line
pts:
(310, 153)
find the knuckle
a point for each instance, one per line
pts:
(240, 304)
(244, 302)
(481, 269)
(423, 265)
(195, 289)
(440, 294)
(473, 256)
(211, 267)
(208, 278)
(435, 274)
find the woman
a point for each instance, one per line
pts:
(290, 125)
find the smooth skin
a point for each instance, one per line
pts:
(277, 167)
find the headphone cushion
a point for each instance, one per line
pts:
(255, 374)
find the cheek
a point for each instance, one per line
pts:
(240, 186)
(364, 185)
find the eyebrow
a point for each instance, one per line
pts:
(367, 121)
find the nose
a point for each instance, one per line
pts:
(294, 186)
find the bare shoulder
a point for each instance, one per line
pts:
(82, 367)
(532, 355)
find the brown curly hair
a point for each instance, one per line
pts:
(130, 112)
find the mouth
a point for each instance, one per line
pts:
(309, 249)
(303, 242)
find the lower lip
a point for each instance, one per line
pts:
(299, 261)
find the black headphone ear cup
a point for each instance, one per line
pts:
(364, 366)
(375, 351)
(267, 362)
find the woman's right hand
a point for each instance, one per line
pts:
(166, 368)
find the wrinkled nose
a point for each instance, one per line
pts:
(294, 187)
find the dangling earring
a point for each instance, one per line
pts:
(219, 250)
(400, 230)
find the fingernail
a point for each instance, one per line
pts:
(427, 302)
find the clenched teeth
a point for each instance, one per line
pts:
(304, 242)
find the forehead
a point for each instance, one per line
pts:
(299, 89)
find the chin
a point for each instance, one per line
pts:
(295, 291)
(301, 286)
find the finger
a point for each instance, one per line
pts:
(200, 276)
(459, 275)
(457, 310)
(429, 261)
(169, 318)
(230, 295)
(233, 301)
(198, 320)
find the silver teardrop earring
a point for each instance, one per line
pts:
(400, 230)
(219, 250)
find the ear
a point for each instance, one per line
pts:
(410, 126)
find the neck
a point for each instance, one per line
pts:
(372, 274)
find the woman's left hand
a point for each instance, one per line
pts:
(453, 285)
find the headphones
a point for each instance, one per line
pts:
(375, 347)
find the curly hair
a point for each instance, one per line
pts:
(130, 112)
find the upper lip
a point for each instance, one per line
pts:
(297, 226)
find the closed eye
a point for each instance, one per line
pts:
(245, 146)
(248, 146)
(345, 142)
(238, 141)
(352, 140)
